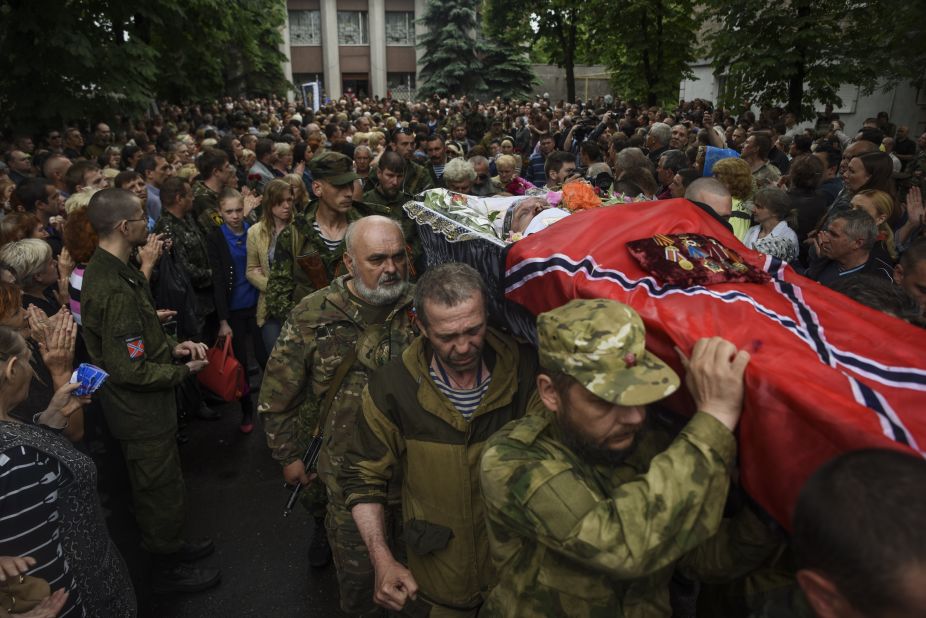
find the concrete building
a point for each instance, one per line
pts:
(365, 46)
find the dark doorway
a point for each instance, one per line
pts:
(359, 84)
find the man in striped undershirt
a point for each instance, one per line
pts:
(426, 416)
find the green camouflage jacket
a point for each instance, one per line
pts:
(125, 338)
(302, 263)
(418, 178)
(319, 333)
(573, 539)
(378, 204)
(409, 426)
(206, 206)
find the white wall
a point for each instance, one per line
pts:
(900, 103)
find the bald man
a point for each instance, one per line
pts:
(711, 196)
(329, 346)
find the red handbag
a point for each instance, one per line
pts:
(224, 375)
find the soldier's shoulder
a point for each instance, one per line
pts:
(317, 308)
(519, 436)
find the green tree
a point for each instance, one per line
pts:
(63, 61)
(647, 45)
(560, 27)
(507, 70)
(801, 51)
(450, 64)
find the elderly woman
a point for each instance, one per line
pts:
(508, 181)
(37, 273)
(283, 159)
(771, 234)
(459, 175)
(51, 510)
(736, 175)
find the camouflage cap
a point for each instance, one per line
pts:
(601, 343)
(333, 167)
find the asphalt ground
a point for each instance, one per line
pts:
(235, 496)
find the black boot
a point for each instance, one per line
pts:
(169, 577)
(319, 550)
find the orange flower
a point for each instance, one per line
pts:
(580, 196)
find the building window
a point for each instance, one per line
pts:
(400, 28)
(305, 28)
(400, 80)
(353, 28)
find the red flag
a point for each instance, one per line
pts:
(827, 374)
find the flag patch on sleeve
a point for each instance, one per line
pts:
(135, 347)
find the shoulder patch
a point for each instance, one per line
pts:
(135, 346)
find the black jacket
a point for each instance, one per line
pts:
(223, 271)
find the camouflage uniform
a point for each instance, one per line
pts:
(408, 425)
(571, 538)
(189, 246)
(323, 329)
(125, 337)
(206, 206)
(302, 262)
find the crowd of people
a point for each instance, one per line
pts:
(461, 472)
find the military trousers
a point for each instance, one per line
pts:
(157, 491)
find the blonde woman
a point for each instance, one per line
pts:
(880, 206)
(262, 239)
(736, 175)
(300, 193)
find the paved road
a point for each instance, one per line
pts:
(235, 496)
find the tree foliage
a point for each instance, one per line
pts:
(508, 71)
(457, 61)
(450, 64)
(67, 60)
(559, 26)
(647, 45)
(801, 51)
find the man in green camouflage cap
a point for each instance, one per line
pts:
(309, 250)
(591, 506)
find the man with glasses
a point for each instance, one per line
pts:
(125, 338)
(55, 142)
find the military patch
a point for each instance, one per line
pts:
(135, 346)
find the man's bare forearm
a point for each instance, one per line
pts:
(370, 520)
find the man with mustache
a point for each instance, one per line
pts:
(591, 505)
(333, 340)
